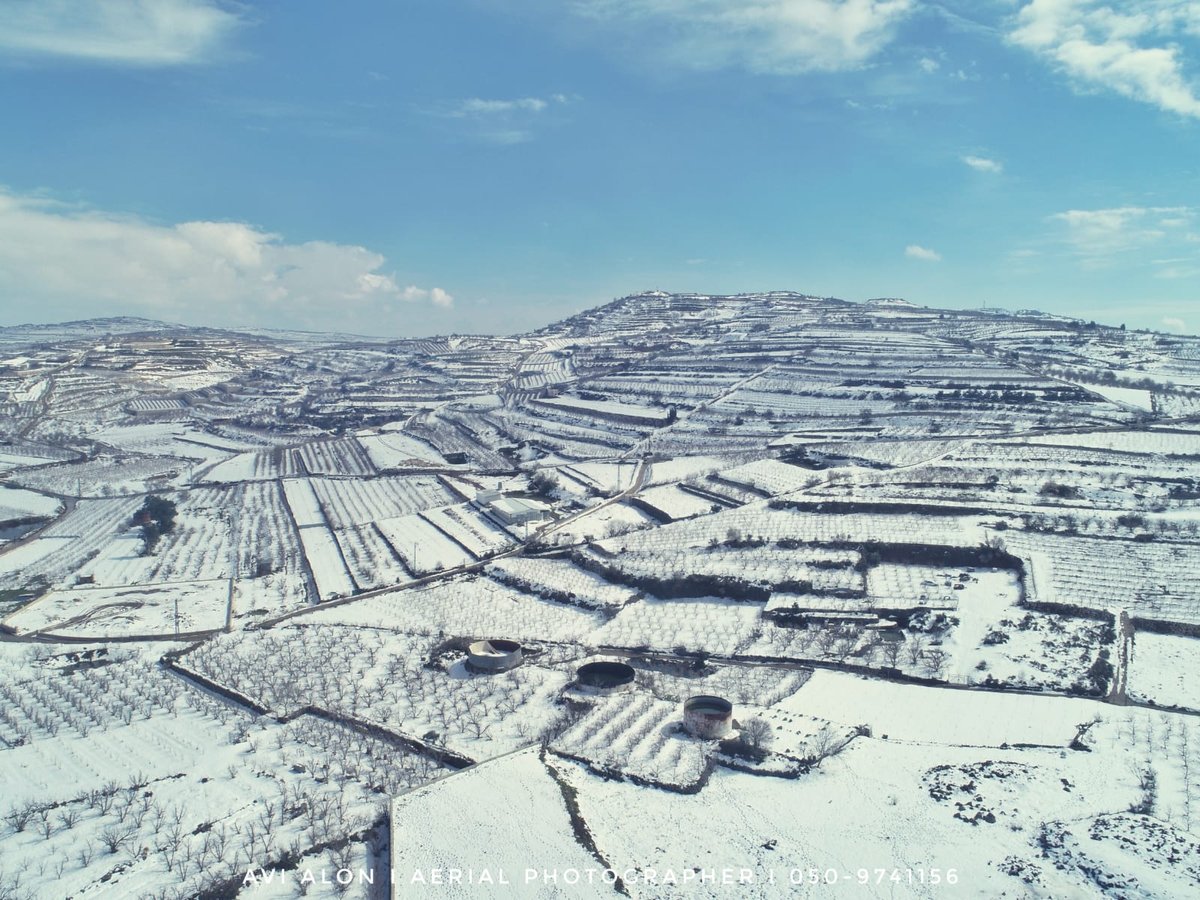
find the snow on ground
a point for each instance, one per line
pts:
(466, 606)
(170, 439)
(607, 521)
(1163, 669)
(878, 820)
(670, 470)
(423, 547)
(1152, 441)
(609, 478)
(20, 504)
(325, 558)
(709, 625)
(242, 467)
(16, 559)
(394, 450)
(149, 762)
(146, 609)
(302, 500)
(495, 820)
(1135, 397)
(12, 459)
(676, 502)
(907, 712)
(867, 823)
(606, 408)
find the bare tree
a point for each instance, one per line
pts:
(935, 660)
(113, 837)
(914, 648)
(757, 733)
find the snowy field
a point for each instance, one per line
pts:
(242, 576)
(107, 612)
(1163, 668)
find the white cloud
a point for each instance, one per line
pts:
(928, 65)
(1132, 48)
(1174, 322)
(1102, 232)
(507, 121)
(54, 256)
(983, 164)
(120, 32)
(479, 107)
(916, 251)
(778, 36)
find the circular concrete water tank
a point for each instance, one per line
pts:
(494, 656)
(604, 677)
(708, 717)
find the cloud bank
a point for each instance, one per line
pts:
(96, 263)
(770, 36)
(116, 32)
(1132, 48)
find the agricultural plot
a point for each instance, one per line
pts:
(372, 561)
(467, 606)
(1154, 581)
(106, 476)
(422, 548)
(130, 750)
(160, 610)
(906, 712)
(170, 439)
(770, 476)
(67, 544)
(559, 580)
(469, 528)
(608, 409)
(602, 522)
(381, 677)
(336, 457)
(1150, 441)
(712, 626)
(751, 572)
(201, 546)
(1162, 670)
(672, 502)
(325, 560)
(348, 502)
(849, 524)
(20, 504)
(258, 464)
(303, 502)
(427, 821)
(639, 737)
(17, 457)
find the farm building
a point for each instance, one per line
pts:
(513, 511)
(708, 717)
(604, 677)
(494, 656)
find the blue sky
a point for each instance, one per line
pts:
(431, 166)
